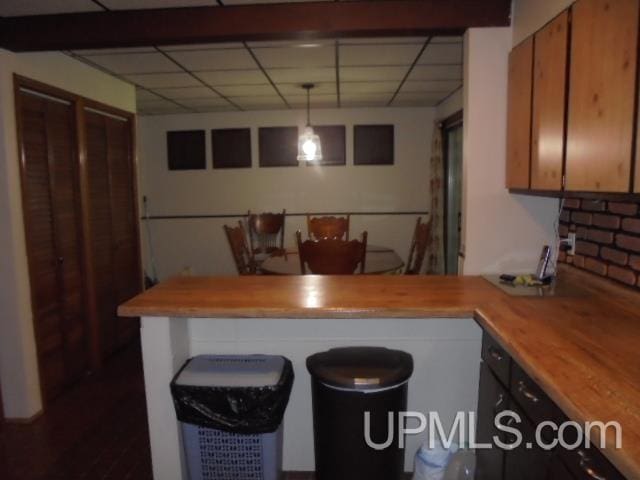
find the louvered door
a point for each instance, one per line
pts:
(126, 253)
(52, 227)
(112, 212)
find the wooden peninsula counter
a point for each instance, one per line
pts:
(583, 351)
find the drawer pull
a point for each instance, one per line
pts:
(495, 354)
(522, 388)
(586, 468)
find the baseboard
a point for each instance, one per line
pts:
(24, 421)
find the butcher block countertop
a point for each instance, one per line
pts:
(583, 350)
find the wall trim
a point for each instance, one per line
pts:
(289, 214)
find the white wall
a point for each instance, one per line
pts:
(18, 364)
(201, 244)
(502, 232)
(528, 16)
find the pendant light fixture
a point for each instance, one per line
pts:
(309, 148)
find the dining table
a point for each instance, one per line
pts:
(379, 260)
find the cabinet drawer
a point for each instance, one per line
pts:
(497, 359)
(590, 464)
(533, 401)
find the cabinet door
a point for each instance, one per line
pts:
(602, 89)
(492, 400)
(52, 226)
(549, 98)
(126, 264)
(527, 461)
(519, 115)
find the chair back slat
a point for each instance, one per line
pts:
(266, 231)
(242, 256)
(332, 256)
(418, 249)
(321, 228)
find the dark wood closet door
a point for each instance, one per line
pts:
(114, 235)
(51, 210)
(124, 222)
(101, 228)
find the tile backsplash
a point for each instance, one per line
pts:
(607, 238)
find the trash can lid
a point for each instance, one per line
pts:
(361, 368)
(232, 371)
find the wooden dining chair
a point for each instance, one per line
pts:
(243, 257)
(419, 244)
(320, 228)
(266, 231)
(332, 256)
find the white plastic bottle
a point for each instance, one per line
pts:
(462, 466)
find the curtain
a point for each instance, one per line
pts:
(435, 249)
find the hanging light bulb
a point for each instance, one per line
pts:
(309, 147)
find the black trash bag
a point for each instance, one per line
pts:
(246, 410)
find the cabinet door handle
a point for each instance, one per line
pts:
(586, 467)
(522, 388)
(495, 354)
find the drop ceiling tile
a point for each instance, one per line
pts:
(376, 99)
(434, 72)
(435, 86)
(317, 101)
(233, 77)
(246, 90)
(175, 110)
(205, 102)
(142, 95)
(295, 57)
(355, 74)
(418, 99)
(297, 90)
(219, 59)
(259, 103)
(164, 80)
(135, 63)
(187, 92)
(144, 4)
(202, 46)
(213, 109)
(439, 53)
(383, 40)
(156, 105)
(368, 87)
(15, 8)
(355, 55)
(302, 75)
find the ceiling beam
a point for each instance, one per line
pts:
(171, 26)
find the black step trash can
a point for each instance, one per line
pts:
(231, 408)
(346, 383)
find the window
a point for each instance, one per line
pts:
(332, 139)
(231, 148)
(186, 150)
(278, 146)
(373, 144)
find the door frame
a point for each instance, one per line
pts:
(452, 121)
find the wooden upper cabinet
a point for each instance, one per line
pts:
(549, 102)
(519, 115)
(604, 49)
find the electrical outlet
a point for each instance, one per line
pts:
(571, 241)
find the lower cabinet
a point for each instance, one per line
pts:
(504, 386)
